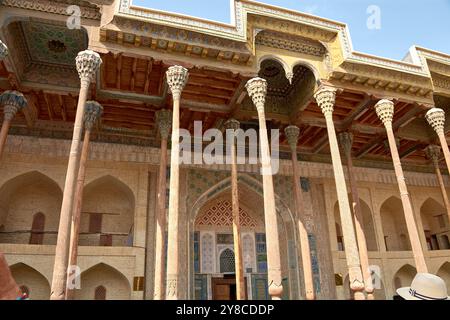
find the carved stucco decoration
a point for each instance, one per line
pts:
(88, 10)
(291, 43)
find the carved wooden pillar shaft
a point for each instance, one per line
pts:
(325, 98)
(433, 153)
(3, 50)
(177, 78)
(385, 111)
(87, 63)
(91, 116)
(233, 125)
(12, 102)
(436, 119)
(164, 120)
(292, 134)
(257, 89)
(346, 140)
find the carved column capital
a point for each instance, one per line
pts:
(92, 114)
(3, 50)
(257, 90)
(12, 102)
(87, 63)
(346, 142)
(164, 121)
(325, 98)
(385, 111)
(177, 77)
(292, 133)
(436, 119)
(433, 153)
(232, 124)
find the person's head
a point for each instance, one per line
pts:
(425, 286)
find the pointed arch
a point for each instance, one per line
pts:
(107, 212)
(116, 285)
(434, 219)
(29, 278)
(24, 196)
(404, 276)
(246, 181)
(444, 273)
(251, 198)
(226, 261)
(394, 225)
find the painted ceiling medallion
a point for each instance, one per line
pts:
(53, 44)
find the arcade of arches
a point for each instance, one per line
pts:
(361, 191)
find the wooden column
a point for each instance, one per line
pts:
(232, 126)
(385, 111)
(346, 141)
(164, 121)
(325, 98)
(87, 63)
(436, 119)
(433, 153)
(3, 50)
(177, 78)
(257, 89)
(12, 102)
(93, 112)
(292, 134)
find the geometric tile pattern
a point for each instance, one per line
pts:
(220, 214)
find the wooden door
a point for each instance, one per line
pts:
(222, 292)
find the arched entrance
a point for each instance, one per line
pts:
(212, 246)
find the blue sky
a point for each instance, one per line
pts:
(403, 23)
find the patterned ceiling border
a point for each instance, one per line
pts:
(88, 10)
(237, 30)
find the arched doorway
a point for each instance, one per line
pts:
(213, 248)
(394, 225)
(435, 225)
(31, 281)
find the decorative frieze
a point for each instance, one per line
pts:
(88, 10)
(55, 148)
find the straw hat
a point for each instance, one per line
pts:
(425, 286)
